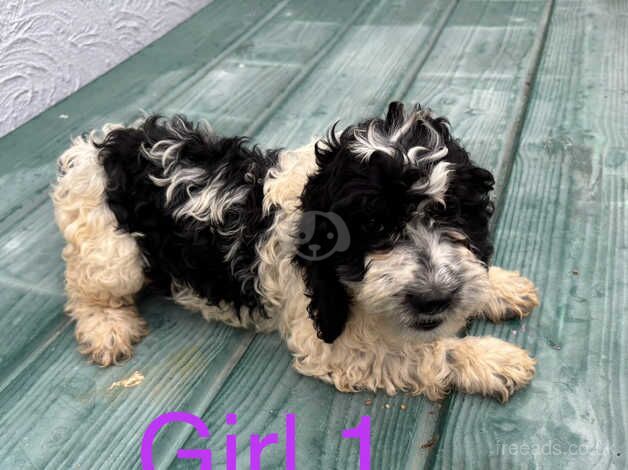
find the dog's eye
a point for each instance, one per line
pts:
(373, 226)
(412, 208)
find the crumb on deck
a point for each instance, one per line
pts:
(133, 381)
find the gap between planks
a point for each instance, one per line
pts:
(507, 156)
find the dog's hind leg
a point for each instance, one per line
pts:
(104, 268)
(510, 296)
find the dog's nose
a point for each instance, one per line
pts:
(431, 304)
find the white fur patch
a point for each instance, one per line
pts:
(428, 155)
(210, 203)
(165, 153)
(189, 177)
(373, 140)
(435, 186)
(187, 298)
(207, 201)
(104, 266)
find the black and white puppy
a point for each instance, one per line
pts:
(368, 251)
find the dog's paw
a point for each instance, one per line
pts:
(491, 367)
(107, 336)
(510, 374)
(514, 296)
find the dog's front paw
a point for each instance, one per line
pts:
(511, 373)
(514, 296)
(491, 367)
(108, 337)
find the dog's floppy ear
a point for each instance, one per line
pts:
(468, 204)
(323, 240)
(323, 236)
(329, 301)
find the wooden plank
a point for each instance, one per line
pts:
(477, 73)
(564, 225)
(263, 380)
(31, 286)
(61, 412)
(357, 79)
(241, 89)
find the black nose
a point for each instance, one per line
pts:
(431, 304)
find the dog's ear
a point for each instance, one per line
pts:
(329, 301)
(323, 238)
(323, 243)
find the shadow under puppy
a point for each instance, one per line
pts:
(368, 251)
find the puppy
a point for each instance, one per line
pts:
(368, 250)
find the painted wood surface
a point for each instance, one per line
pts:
(564, 225)
(283, 71)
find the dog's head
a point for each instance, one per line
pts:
(396, 221)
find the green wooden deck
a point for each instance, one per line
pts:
(536, 90)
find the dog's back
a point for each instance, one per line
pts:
(165, 203)
(197, 201)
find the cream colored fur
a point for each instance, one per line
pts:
(105, 271)
(103, 265)
(511, 296)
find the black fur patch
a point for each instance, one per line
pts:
(186, 250)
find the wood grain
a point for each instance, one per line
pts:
(70, 417)
(564, 225)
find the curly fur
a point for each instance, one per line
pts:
(104, 266)
(368, 251)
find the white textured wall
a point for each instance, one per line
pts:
(50, 48)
